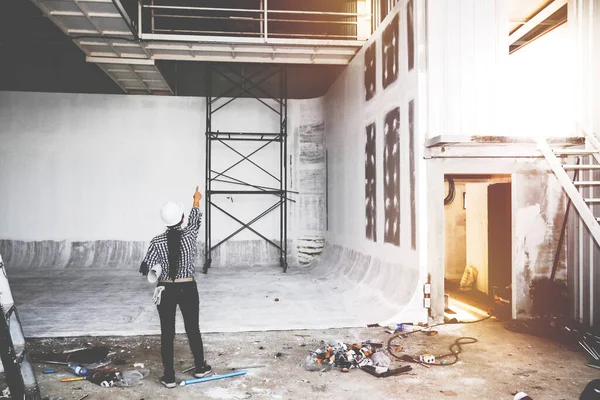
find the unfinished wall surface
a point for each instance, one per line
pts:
(373, 145)
(308, 177)
(539, 203)
(83, 177)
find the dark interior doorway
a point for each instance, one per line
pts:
(478, 243)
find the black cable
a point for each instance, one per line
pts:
(456, 344)
(455, 350)
(451, 191)
(452, 321)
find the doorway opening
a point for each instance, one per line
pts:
(477, 246)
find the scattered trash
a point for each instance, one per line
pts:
(52, 362)
(373, 325)
(138, 365)
(261, 348)
(77, 378)
(78, 370)
(49, 371)
(83, 397)
(276, 299)
(88, 356)
(343, 356)
(427, 358)
(105, 378)
(132, 378)
(5, 394)
(212, 378)
(468, 279)
(82, 357)
(187, 370)
(380, 359)
(278, 354)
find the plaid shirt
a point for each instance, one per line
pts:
(158, 252)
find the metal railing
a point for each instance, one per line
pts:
(160, 17)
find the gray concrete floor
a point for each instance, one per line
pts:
(79, 302)
(500, 364)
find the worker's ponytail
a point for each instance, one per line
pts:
(174, 249)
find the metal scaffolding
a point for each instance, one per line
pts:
(245, 84)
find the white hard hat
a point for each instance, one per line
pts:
(171, 213)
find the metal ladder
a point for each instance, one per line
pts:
(574, 188)
(19, 372)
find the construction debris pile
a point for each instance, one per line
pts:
(93, 364)
(367, 356)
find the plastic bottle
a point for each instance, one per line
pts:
(78, 370)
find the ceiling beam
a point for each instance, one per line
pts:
(115, 60)
(536, 20)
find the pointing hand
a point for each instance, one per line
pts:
(197, 195)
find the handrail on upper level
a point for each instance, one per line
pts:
(261, 23)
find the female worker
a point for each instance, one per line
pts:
(175, 251)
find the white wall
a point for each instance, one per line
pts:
(477, 232)
(92, 167)
(455, 244)
(347, 114)
(540, 87)
(466, 51)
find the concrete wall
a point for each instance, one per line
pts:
(455, 245)
(83, 172)
(477, 232)
(538, 213)
(363, 95)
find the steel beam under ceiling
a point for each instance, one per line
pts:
(102, 30)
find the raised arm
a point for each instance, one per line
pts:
(195, 218)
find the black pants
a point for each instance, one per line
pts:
(184, 294)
